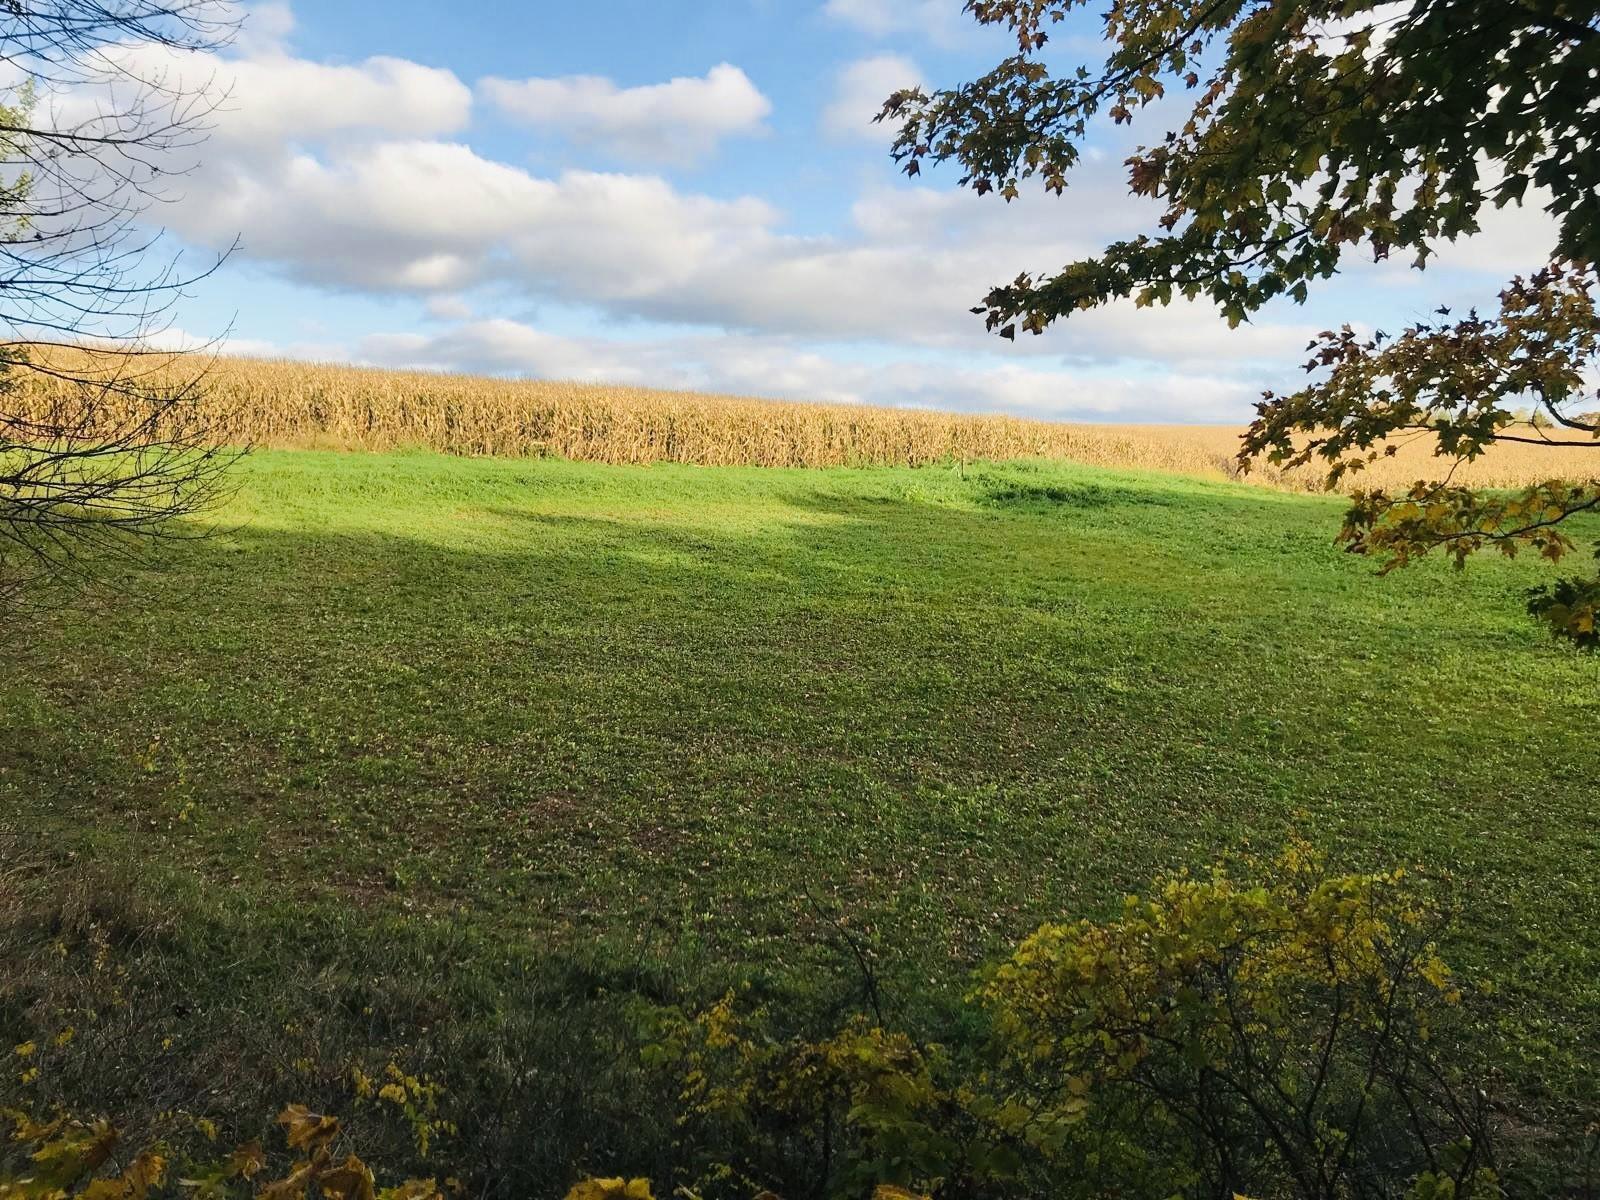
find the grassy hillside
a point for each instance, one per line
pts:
(420, 752)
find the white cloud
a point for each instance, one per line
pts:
(1512, 240)
(860, 89)
(270, 101)
(780, 368)
(288, 99)
(935, 19)
(681, 121)
(284, 100)
(435, 217)
(181, 341)
(424, 216)
(265, 27)
(359, 178)
(449, 308)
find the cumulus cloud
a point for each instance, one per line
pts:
(681, 121)
(1512, 240)
(382, 214)
(265, 27)
(270, 101)
(781, 368)
(449, 308)
(421, 216)
(363, 178)
(860, 89)
(936, 19)
(279, 99)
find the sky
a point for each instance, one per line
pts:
(693, 195)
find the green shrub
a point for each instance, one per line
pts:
(1283, 1036)
(1284, 1032)
(1290, 1034)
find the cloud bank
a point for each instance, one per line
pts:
(369, 179)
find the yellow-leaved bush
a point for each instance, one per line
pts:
(1274, 1036)
(1279, 1032)
(67, 1159)
(1287, 1033)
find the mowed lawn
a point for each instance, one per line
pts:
(705, 719)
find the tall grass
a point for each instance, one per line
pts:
(296, 405)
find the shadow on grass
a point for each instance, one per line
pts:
(175, 1006)
(472, 801)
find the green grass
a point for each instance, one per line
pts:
(530, 733)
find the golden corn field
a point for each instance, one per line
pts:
(298, 405)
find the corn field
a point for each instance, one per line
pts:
(297, 405)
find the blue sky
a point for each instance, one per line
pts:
(691, 195)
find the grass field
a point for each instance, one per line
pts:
(479, 747)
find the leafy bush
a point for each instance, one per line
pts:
(1276, 1037)
(1284, 1032)
(1291, 1034)
(62, 1158)
(1571, 607)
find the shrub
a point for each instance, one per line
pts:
(1278, 1037)
(1571, 608)
(1286, 1035)
(1284, 1032)
(62, 1158)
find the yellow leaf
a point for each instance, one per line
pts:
(290, 1187)
(247, 1161)
(611, 1189)
(350, 1180)
(33, 1132)
(144, 1173)
(412, 1189)
(305, 1128)
(80, 1151)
